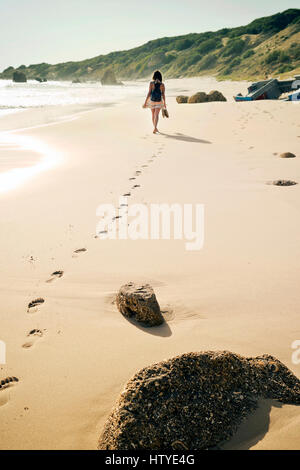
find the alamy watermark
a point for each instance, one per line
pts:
(152, 222)
(296, 354)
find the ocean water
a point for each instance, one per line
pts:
(18, 96)
(23, 157)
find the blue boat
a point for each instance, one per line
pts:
(271, 89)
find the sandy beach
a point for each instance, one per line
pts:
(240, 292)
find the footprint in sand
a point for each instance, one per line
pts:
(130, 179)
(137, 173)
(4, 385)
(136, 186)
(33, 305)
(55, 275)
(34, 335)
(282, 182)
(78, 251)
(126, 194)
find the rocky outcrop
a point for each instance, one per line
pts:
(287, 155)
(215, 95)
(202, 97)
(182, 99)
(109, 78)
(194, 401)
(199, 97)
(19, 77)
(139, 302)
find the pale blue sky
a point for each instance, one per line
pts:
(33, 31)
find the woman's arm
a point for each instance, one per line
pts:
(163, 94)
(148, 95)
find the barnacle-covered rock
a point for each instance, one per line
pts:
(139, 302)
(194, 401)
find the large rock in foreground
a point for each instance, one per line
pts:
(194, 401)
(139, 302)
(19, 77)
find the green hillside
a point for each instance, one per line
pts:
(266, 46)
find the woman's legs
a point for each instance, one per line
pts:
(152, 111)
(156, 116)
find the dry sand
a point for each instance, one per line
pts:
(240, 292)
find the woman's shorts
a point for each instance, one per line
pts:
(154, 104)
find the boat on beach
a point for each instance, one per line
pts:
(270, 89)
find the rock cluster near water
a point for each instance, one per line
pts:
(202, 97)
(139, 302)
(19, 77)
(182, 99)
(109, 78)
(215, 95)
(194, 401)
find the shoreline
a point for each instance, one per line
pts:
(44, 116)
(239, 293)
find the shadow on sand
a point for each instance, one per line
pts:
(254, 428)
(163, 330)
(185, 138)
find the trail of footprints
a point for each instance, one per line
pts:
(135, 186)
(33, 306)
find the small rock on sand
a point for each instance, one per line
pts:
(284, 183)
(287, 155)
(139, 302)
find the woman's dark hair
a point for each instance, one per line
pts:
(157, 76)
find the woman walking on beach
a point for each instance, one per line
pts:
(156, 99)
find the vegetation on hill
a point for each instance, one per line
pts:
(267, 46)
